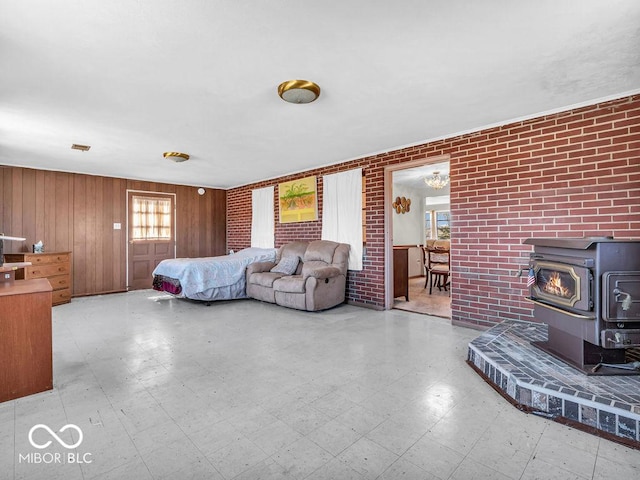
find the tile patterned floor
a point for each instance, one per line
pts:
(169, 389)
(535, 379)
(438, 303)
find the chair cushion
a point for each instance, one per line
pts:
(290, 284)
(286, 265)
(264, 279)
(440, 268)
(320, 250)
(437, 258)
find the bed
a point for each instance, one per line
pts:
(210, 278)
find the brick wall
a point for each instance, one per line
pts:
(571, 174)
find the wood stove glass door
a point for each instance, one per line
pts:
(562, 285)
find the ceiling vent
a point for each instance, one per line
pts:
(83, 148)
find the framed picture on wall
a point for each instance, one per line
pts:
(298, 200)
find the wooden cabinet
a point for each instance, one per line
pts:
(26, 365)
(55, 267)
(401, 272)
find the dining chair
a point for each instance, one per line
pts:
(437, 265)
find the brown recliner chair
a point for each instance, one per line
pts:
(317, 280)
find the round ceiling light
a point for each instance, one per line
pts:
(298, 91)
(176, 156)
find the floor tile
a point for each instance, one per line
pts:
(395, 437)
(210, 439)
(360, 419)
(607, 468)
(135, 469)
(433, 457)
(302, 457)
(538, 469)
(274, 437)
(304, 419)
(333, 404)
(404, 470)
(333, 470)
(168, 458)
(471, 470)
(334, 437)
(367, 458)
(574, 460)
(266, 470)
(237, 457)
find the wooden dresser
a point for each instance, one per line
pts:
(401, 272)
(55, 267)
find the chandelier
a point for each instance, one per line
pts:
(436, 180)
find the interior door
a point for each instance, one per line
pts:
(151, 234)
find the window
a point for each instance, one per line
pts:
(151, 218)
(437, 225)
(443, 225)
(428, 234)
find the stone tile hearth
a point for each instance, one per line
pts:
(538, 381)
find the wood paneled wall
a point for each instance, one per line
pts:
(75, 212)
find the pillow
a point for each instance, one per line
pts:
(286, 265)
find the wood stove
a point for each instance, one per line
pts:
(587, 290)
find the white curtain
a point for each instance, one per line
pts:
(342, 212)
(262, 218)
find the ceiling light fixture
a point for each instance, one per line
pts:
(437, 181)
(298, 91)
(176, 156)
(83, 148)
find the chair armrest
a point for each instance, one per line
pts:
(258, 267)
(323, 272)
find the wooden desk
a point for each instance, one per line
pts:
(26, 365)
(8, 272)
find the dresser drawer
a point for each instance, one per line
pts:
(46, 258)
(60, 281)
(43, 271)
(61, 296)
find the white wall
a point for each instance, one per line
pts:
(408, 227)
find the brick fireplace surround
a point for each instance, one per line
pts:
(574, 173)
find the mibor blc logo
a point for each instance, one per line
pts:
(55, 457)
(53, 434)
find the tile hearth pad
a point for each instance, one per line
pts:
(543, 383)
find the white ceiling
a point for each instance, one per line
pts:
(134, 79)
(414, 178)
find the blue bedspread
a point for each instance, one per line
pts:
(201, 274)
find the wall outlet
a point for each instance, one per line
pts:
(117, 226)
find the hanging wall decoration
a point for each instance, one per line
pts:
(402, 205)
(298, 201)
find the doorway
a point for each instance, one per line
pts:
(150, 235)
(409, 231)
